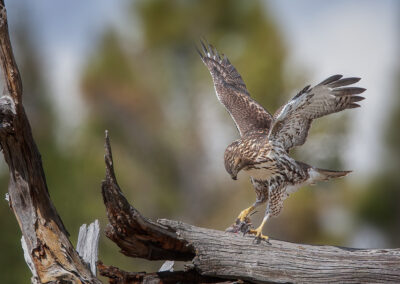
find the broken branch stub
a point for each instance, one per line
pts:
(136, 235)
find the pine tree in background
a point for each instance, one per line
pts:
(378, 206)
(154, 87)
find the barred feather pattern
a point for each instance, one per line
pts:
(292, 121)
(273, 173)
(263, 149)
(231, 91)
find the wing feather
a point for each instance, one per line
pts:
(293, 120)
(231, 91)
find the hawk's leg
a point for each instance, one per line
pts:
(258, 231)
(246, 212)
(243, 215)
(242, 223)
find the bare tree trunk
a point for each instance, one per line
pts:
(227, 256)
(52, 255)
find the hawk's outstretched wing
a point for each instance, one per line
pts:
(232, 93)
(293, 120)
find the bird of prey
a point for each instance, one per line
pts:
(265, 140)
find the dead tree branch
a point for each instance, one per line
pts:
(53, 256)
(232, 256)
(88, 244)
(136, 235)
(118, 276)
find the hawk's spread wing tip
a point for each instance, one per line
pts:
(211, 52)
(355, 99)
(331, 79)
(230, 89)
(204, 47)
(337, 80)
(199, 52)
(331, 95)
(348, 91)
(353, 105)
(344, 82)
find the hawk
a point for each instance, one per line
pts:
(265, 140)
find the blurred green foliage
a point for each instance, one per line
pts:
(380, 203)
(147, 93)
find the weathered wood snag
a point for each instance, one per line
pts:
(136, 235)
(225, 256)
(88, 244)
(215, 256)
(53, 257)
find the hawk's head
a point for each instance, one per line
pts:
(234, 160)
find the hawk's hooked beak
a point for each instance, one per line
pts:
(236, 168)
(233, 166)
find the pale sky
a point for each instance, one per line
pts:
(353, 38)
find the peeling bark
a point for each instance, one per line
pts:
(47, 243)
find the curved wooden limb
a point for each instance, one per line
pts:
(234, 256)
(136, 235)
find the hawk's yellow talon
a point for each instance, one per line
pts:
(259, 235)
(258, 231)
(243, 215)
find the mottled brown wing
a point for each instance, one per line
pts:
(231, 91)
(293, 120)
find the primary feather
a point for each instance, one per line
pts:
(262, 150)
(292, 122)
(231, 91)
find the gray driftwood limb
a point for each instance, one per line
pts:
(118, 276)
(88, 244)
(53, 257)
(227, 256)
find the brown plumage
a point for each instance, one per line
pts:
(263, 148)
